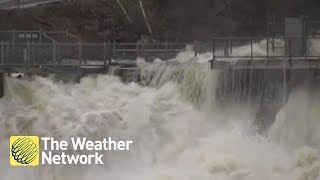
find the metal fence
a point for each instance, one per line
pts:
(38, 37)
(70, 54)
(266, 48)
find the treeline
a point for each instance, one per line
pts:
(183, 20)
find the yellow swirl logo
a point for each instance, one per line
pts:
(24, 150)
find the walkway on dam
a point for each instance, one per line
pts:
(61, 52)
(266, 53)
(72, 57)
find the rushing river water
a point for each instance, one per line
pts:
(179, 129)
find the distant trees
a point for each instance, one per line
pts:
(169, 19)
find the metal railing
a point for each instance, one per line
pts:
(80, 55)
(14, 36)
(266, 48)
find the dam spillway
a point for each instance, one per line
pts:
(177, 121)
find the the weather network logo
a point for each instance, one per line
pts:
(24, 150)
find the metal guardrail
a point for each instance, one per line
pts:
(80, 55)
(255, 48)
(14, 36)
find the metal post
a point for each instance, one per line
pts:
(114, 53)
(54, 52)
(306, 50)
(109, 53)
(32, 55)
(80, 56)
(268, 29)
(231, 46)
(137, 48)
(251, 73)
(251, 42)
(167, 49)
(39, 48)
(250, 84)
(67, 34)
(28, 53)
(104, 54)
(233, 85)
(58, 47)
(304, 34)
(290, 42)
(2, 52)
(1, 85)
(142, 48)
(226, 48)
(273, 44)
(13, 40)
(24, 56)
(40, 36)
(13, 36)
(213, 48)
(213, 54)
(267, 48)
(284, 81)
(290, 49)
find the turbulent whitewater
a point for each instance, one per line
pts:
(179, 129)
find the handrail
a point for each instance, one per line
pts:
(77, 55)
(53, 36)
(264, 37)
(290, 48)
(134, 45)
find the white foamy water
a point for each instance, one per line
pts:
(179, 131)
